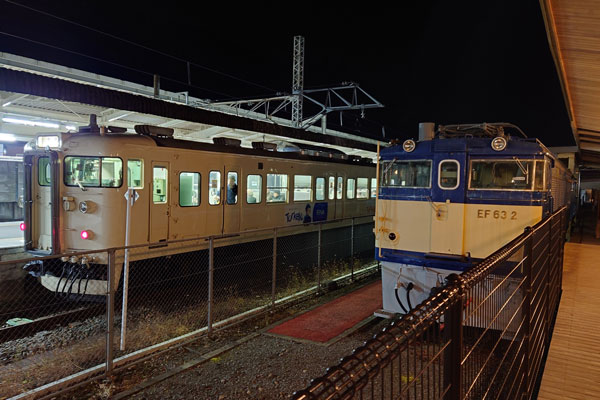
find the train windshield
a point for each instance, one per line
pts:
(502, 174)
(409, 174)
(93, 171)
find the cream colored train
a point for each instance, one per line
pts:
(75, 185)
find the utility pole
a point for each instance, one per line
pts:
(298, 81)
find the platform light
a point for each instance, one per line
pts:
(7, 137)
(22, 226)
(409, 145)
(31, 123)
(498, 143)
(85, 234)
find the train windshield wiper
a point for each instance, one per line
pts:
(80, 185)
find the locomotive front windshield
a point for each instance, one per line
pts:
(93, 171)
(413, 174)
(505, 174)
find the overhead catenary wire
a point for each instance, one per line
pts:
(110, 63)
(139, 45)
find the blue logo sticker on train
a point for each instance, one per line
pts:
(320, 212)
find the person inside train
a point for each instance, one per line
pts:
(250, 197)
(232, 189)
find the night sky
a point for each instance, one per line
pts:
(437, 61)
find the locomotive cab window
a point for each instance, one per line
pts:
(539, 175)
(189, 189)
(159, 185)
(254, 189)
(501, 174)
(44, 173)
(112, 172)
(320, 189)
(406, 174)
(135, 174)
(277, 188)
(302, 188)
(448, 177)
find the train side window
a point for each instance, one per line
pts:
(331, 188)
(448, 177)
(159, 185)
(112, 172)
(539, 175)
(302, 188)
(135, 174)
(373, 187)
(362, 188)
(254, 189)
(189, 189)
(350, 186)
(319, 189)
(277, 187)
(44, 174)
(214, 188)
(232, 188)
(340, 188)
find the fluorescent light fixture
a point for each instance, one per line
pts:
(8, 103)
(52, 141)
(31, 123)
(7, 137)
(71, 127)
(120, 116)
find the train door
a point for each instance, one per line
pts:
(214, 215)
(335, 196)
(159, 203)
(339, 196)
(231, 200)
(40, 186)
(448, 205)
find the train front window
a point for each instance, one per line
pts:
(112, 172)
(44, 174)
(406, 174)
(501, 174)
(82, 171)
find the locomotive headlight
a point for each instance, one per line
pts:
(86, 234)
(498, 143)
(409, 145)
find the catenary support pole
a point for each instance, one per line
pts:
(130, 197)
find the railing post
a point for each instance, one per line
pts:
(211, 270)
(527, 265)
(550, 260)
(110, 312)
(453, 334)
(352, 250)
(319, 260)
(274, 276)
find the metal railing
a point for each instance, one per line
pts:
(191, 287)
(482, 336)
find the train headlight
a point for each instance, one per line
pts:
(498, 143)
(409, 145)
(85, 234)
(86, 207)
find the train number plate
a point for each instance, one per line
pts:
(496, 214)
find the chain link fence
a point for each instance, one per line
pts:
(82, 314)
(482, 336)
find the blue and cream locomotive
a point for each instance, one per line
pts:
(455, 197)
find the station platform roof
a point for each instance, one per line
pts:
(36, 97)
